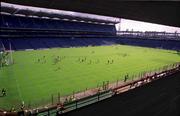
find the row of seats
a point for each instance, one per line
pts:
(153, 43)
(38, 43)
(10, 21)
(9, 32)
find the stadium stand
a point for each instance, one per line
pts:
(38, 33)
(10, 21)
(153, 43)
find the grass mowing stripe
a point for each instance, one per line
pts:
(18, 88)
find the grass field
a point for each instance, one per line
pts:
(37, 74)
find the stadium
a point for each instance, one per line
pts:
(58, 62)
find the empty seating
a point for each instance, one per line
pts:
(154, 43)
(38, 43)
(11, 21)
(39, 23)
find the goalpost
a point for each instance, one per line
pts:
(11, 57)
(1, 59)
(2, 49)
(6, 57)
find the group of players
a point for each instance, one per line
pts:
(58, 59)
(84, 59)
(42, 60)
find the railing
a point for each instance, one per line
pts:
(67, 107)
(105, 94)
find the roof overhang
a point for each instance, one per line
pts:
(14, 9)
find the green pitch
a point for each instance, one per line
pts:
(36, 75)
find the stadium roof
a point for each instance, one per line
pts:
(166, 13)
(31, 11)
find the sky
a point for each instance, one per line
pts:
(144, 26)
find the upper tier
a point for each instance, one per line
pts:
(10, 21)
